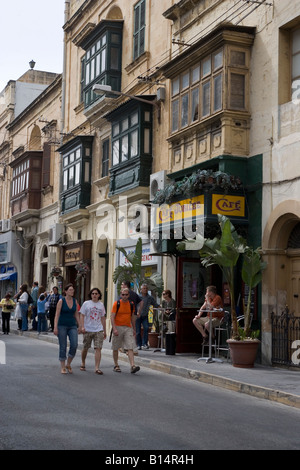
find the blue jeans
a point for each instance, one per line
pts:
(42, 322)
(24, 311)
(141, 321)
(63, 333)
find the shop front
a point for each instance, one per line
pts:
(192, 218)
(10, 263)
(77, 263)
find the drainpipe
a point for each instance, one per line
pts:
(63, 91)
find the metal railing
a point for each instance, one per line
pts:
(286, 338)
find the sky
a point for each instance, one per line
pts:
(30, 29)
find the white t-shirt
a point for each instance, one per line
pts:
(93, 312)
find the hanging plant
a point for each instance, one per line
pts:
(198, 181)
(82, 270)
(55, 272)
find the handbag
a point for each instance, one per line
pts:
(18, 312)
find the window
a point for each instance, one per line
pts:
(76, 173)
(125, 136)
(197, 93)
(20, 181)
(105, 158)
(295, 64)
(101, 63)
(139, 29)
(71, 169)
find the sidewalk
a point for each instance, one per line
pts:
(275, 384)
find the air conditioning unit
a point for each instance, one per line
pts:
(6, 225)
(56, 232)
(158, 181)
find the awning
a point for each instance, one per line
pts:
(8, 277)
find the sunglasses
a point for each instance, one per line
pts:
(124, 295)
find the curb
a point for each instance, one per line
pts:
(257, 391)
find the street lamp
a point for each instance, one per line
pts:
(106, 89)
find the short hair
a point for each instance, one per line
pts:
(8, 295)
(42, 297)
(125, 289)
(212, 289)
(168, 292)
(127, 283)
(99, 292)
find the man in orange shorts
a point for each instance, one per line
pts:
(202, 319)
(123, 326)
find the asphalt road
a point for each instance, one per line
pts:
(42, 409)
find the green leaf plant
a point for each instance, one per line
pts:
(225, 252)
(133, 272)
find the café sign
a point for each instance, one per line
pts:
(228, 205)
(205, 206)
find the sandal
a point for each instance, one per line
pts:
(64, 371)
(117, 369)
(135, 369)
(69, 369)
(99, 372)
(82, 368)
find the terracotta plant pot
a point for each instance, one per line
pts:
(153, 340)
(243, 353)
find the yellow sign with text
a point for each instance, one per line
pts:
(228, 205)
(187, 208)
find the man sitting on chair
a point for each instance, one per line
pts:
(202, 319)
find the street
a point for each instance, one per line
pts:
(42, 409)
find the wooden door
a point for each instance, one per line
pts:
(191, 285)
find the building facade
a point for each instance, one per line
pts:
(205, 118)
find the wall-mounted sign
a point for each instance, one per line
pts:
(231, 206)
(72, 255)
(185, 209)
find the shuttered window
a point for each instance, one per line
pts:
(139, 29)
(46, 165)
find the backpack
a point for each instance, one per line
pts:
(118, 306)
(131, 306)
(30, 299)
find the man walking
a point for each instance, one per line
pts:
(122, 321)
(93, 327)
(142, 317)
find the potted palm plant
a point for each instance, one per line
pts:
(225, 251)
(133, 272)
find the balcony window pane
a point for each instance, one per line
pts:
(206, 99)
(184, 110)
(217, 92)
(71, 176)
(195, 105)
(65, 183)
(134, 119)
(206, 67)
(218, 60)
(185, 80)
(175, 115)
(134, 143)
(77, 173)
(115, 153)
(175, 87)
(125, 148)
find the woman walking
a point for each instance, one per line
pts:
(7, 305)
(23, 302)
(65, 326)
